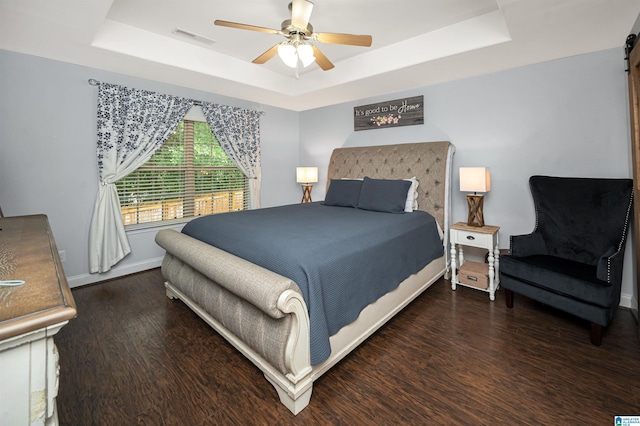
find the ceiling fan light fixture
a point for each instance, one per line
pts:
(305, 53)
(288, 54)
(297, 31)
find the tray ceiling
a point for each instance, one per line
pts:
(415, 42)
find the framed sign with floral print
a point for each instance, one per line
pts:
(399, 112)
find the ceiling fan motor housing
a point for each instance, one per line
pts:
(289, 30)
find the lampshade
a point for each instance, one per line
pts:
(306, 174)
(287, 53)
(305, 53)
(475, 179)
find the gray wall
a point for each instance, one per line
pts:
(48, 154)
(567, 117)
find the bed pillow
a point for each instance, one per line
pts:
(412, 196)
(383, 195)
(343, 193)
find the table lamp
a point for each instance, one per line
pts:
(475, 179)
(306, 176)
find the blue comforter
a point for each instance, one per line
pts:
(342, 258)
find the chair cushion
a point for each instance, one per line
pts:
(566, 277)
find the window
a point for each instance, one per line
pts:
(190, 175)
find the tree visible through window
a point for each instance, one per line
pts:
(190, 175)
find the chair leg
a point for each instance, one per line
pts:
(596, 334)
(508, 296)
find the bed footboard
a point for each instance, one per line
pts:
(261, 313)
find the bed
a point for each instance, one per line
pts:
(267, 315)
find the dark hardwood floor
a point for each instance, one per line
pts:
(132, 356)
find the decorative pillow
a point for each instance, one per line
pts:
(343, 193)
(412, 196)
(384, 195)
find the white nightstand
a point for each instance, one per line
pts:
(485, 237)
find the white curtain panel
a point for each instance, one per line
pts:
(132, 125)
(238, 132)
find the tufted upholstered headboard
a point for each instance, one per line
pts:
(429, 162)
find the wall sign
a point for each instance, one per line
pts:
(399, 112)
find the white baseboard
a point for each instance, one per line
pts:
(84, 279)
(628, 301)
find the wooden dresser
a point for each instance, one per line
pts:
(30, 315)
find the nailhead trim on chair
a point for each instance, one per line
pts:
(624, 232)
(535, 227)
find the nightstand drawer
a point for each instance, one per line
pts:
(473, 239)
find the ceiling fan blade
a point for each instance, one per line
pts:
(350, 39)
(267, 55)
(245, 27)
(322, 60)
(301, 13)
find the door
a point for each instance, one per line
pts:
(633, 56)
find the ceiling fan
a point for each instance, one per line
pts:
(298, 32)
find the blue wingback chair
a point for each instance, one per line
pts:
(573, 259)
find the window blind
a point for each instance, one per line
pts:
(189, 176)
